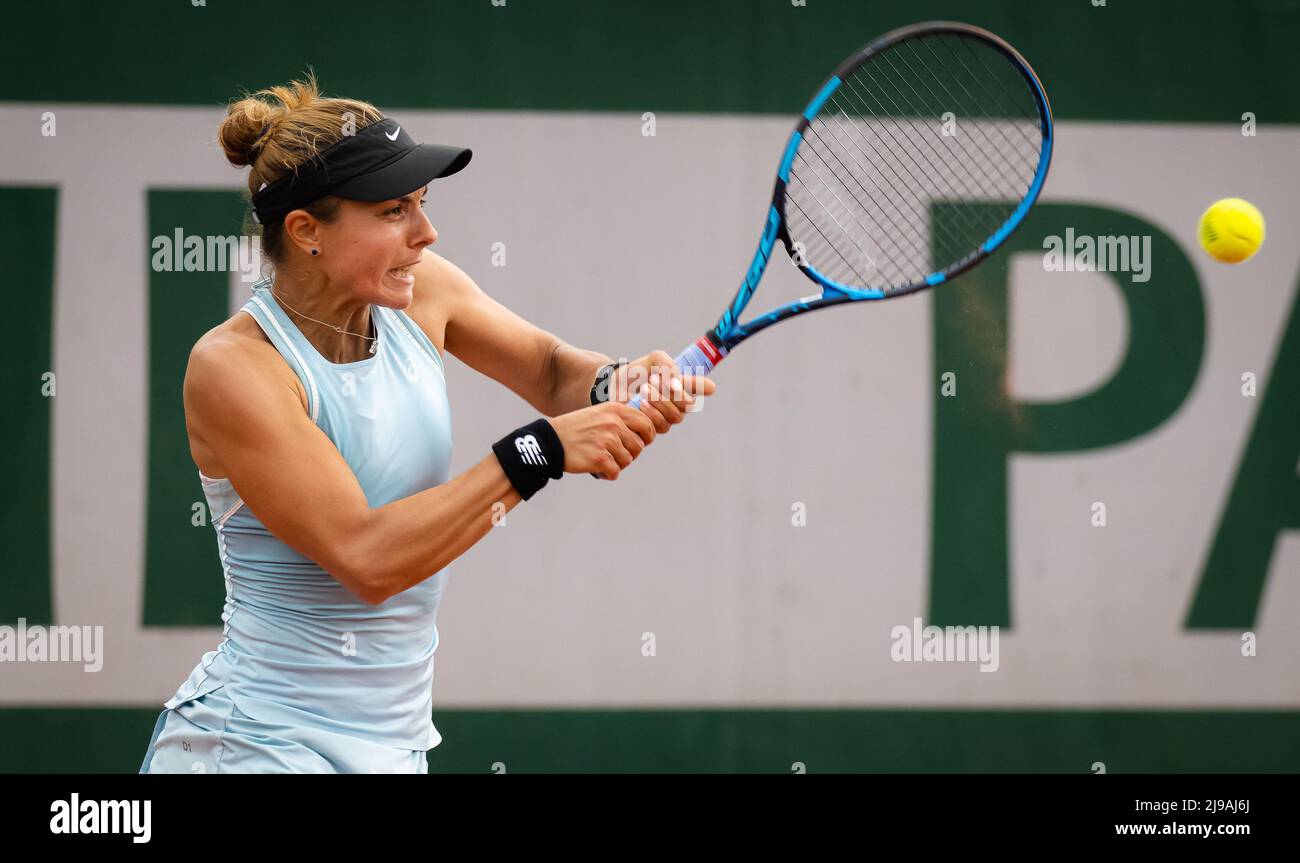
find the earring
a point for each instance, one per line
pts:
(313, 251)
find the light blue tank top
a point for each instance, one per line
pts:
(298, 648)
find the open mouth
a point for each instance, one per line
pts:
(403, 274)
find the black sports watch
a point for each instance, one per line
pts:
(600, 389)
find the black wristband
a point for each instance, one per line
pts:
(530, 455)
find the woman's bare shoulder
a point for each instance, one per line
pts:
(220, 366)
(239, 344)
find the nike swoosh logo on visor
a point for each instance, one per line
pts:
(393, 137)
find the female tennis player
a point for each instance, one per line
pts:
(319, 422)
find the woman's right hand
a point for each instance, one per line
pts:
(603, 438)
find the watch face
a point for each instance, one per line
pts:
(600, 391)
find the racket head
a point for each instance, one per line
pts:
(907, 139)
(937, 116)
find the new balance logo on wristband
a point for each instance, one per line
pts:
(530, 455)
(530, 450)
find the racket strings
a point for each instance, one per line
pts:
(970, 165)
(972, 99)
(835, 267)
(950, 97)
(929, 122)
(970, 160)
(913, 181)
(891, 185)
(1025, 111)
(893, 238)
(907, 238)
(917, 237)
(884, 156)
(998, 88)
(841, 207)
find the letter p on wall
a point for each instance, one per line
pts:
(975, 435)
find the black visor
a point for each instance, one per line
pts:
(379, 162)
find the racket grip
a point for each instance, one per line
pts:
(698, 358)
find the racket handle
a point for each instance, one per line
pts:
(698, 358)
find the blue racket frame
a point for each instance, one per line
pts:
(703, 355)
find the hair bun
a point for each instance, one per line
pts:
(276, 129)
(243, 132)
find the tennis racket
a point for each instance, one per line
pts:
(913, 162)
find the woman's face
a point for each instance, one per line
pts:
(372, 246)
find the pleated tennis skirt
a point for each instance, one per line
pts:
(210, 734)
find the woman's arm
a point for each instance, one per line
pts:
(489, 338)
(293, 478)
(551, 375)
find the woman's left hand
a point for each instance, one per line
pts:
(667, 395)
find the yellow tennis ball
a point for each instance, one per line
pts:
(1231, 230)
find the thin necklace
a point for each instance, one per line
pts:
(373, 339)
